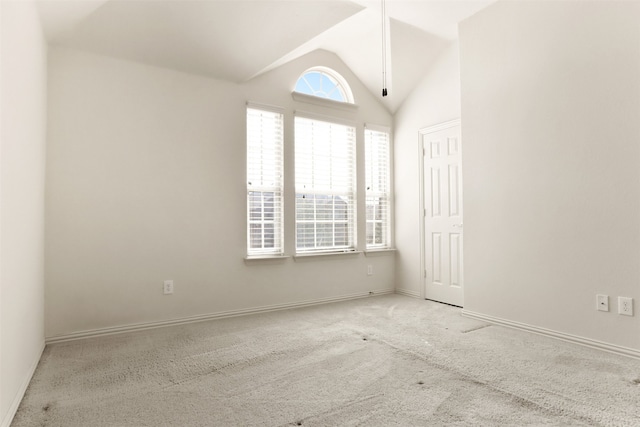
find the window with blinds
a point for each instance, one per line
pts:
(378, 192)
(264, 182)
(325, 186)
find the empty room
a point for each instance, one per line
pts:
(319, 213)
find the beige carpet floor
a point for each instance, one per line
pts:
(380, 361)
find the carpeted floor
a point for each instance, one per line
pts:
(381, 361)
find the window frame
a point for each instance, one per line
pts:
(351, 195)
(277, 188)
(382, 193)
(341, 85)
(335, 113)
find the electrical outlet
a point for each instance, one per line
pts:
(625, 306)
(602, 302)
(369, 270)
(168, 287)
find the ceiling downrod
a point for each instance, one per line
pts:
(384, 48)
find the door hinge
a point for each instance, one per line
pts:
(425, 274)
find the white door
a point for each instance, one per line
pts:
(442, 210)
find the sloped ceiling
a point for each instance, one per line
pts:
(237, 40)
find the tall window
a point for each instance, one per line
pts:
(325, 186)
(377, 189)
(264, 182)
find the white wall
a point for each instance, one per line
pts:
(22, 154)
(550, 108)
(435, 100)
(146, 182)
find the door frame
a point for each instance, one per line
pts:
(422, 212)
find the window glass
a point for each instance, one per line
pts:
(264, 182)
(378, 195)
(325, 186)
(324, 83)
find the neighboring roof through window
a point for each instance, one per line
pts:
(325, 83)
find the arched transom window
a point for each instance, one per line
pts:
(324, 82)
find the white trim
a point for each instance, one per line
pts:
(587, 342)
(310, 254)
(421, 216)
(323, 102)
(266, 107)
(379, 128)
(135, 327)
(408, 293)
(379, 251)
(339, 120)
(266, 257)
(13, 409)
(421, 154)
(440, 126)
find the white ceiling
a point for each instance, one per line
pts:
(237, 40)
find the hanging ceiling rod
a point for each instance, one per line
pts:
(384, 47)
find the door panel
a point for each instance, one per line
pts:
(443, 226)
(436, 257)
(435, 192)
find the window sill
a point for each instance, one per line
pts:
(258, 258)
(381, 251)
(304, 256)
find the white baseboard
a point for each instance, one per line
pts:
(8, 418)
(408, 293)
(587, 342)
(211, 316)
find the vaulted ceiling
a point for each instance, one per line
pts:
(237, 40)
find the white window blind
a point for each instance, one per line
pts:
(264, 182)
(325, 186)
(378, 192)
